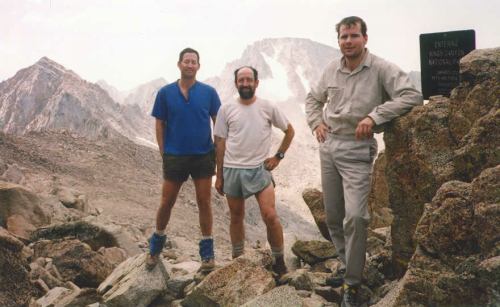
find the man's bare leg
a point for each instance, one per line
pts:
(203, 198)
(203, 187)
(266, 200)
(237, 226)
(170, 190)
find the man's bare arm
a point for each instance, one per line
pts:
(287, 139)
(160, 130)
(272, 162)
(220, 149)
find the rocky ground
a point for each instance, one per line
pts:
(122, 180)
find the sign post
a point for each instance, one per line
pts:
(440, 55)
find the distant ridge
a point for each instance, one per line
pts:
(47, 96)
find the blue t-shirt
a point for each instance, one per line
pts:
(187, 122)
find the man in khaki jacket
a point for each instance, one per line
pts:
(355, 95)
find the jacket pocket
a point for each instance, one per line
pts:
(334, 99)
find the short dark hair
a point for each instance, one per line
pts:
(188, 50)
(349, 22)
(255, 73)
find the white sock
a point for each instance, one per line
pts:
(160, 232)
(277, 251)
(238, 249)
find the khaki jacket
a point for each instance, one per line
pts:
(376, 88)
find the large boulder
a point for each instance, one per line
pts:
(75, 260)
(463, 218)
(445, 226)
(61, 296)
(94, 235)
(280, 296)
(53, 297)
(300, 279)
(486, 199)
(447, 139)
(418, 148)
(131, 284)
(13, 174)
(15, 286)
(58, 213)
(21, 210)
(478, 90)
(480, 146)
(430, 282)
(114, 255)
(378, 200)
(313, 252)
(458, 261)
(244, 279)
(72, 198)
(125, 237)
(474, 114)
(314, 200)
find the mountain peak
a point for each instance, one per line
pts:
(46, 61)
(52, 65)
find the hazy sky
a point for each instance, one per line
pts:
(128, 43)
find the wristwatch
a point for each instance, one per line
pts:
(279, 155)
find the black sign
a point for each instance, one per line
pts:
(440, 55)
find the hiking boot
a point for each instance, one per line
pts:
(350, 297)
(207, 255)
(207, 265)
(237, 254)
(156, 244)
(279, 266)
(336, 279)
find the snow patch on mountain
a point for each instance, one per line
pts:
(300, 72)
(275, 87)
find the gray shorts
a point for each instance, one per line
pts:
(243, 183)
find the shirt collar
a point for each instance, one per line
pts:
(367, 62)
(192, 86)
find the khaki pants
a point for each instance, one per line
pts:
(346, 167)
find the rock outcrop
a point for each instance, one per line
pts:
(71, 296)
(279, 296)
(313, 252)
(244, 279)
(75, 260)
(457, 262)
(378, 200)
(72, 198)
(21, 212)
(447, 139)
(15, 286)
(93, 235)
(314, 200)
(131, 284)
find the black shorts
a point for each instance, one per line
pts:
(179, 167)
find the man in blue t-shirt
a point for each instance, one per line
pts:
(183, 110)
